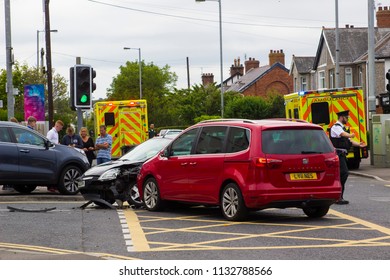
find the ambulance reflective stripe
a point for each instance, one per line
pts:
(130, 123)
(127, 122)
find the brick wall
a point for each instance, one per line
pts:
(276, 80)
(383, 17)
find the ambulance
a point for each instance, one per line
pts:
(126, 122)
(320, 107)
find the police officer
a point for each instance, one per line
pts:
(342, 140)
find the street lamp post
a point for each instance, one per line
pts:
(140, 68)
(39, 31)
(220, 49)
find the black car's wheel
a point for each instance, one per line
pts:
(316, 212)
(135, 198)
(24, 188)
(67, 183)
(151, 196)
(232, 203)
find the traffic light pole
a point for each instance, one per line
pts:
(79, 110)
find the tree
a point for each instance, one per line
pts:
(157, 83)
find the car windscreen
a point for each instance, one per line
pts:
(296, 141)
(146, 150)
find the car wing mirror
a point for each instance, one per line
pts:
(165, 153)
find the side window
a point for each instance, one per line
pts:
(183, 145)
(4, 135)
(211, 140)
(238, 140)
(24, 136)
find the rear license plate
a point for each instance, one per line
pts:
(80, 183)
(303, 176)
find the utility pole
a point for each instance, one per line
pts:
(48, 65)
(371, 73)
(188, 73)
(9, 59)
(337, 78)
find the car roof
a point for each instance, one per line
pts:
(6, 123)
(265, 123)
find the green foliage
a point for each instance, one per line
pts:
(255, 107)
(205, 118)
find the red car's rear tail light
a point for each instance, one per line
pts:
(268, 162)
(332, 162)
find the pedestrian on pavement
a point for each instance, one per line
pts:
(103, 146)
(13, 119)
(52, 134)
(342, 140)
(31, 122)
(88, 145)
(152, 133)
(71, 139)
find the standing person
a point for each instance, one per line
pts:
(103, 146)
(88, 145)
(152, 133)
(342, 141)
(71, 139)
(31, 122)
(52, 134)
(13, 119)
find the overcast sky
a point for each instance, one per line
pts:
(169, 31)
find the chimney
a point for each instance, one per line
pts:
(251, 63)
(236, 68)
(383, 17)
(207, 79)
(276, 56)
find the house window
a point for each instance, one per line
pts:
(303, 84)
(321, 79)
(331, 78)
(348, 77)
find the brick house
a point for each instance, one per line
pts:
(255, 80)
(261, 80)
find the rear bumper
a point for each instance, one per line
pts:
(297, 199)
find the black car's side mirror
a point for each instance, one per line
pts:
(48, 144)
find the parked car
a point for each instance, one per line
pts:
(164, 132)
(243, 165)
(28, 159)
(116, 180)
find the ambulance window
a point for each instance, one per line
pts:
(296, 113)
(109, 119)
(320, 113)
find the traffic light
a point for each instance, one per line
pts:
(83, 86)
(388, 81)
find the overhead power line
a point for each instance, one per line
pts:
(205, 20)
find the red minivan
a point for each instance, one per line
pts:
(245, 165)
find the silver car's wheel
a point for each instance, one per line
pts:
(151, 195)
(67, 183)
(135, 198)
(232, 204)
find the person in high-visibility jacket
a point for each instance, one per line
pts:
(342, 141)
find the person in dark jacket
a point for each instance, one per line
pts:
(71, 139)
(88, 145)
(342, 141)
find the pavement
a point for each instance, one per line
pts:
(371, 171)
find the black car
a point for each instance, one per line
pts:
(28, 159)
(115, 181)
